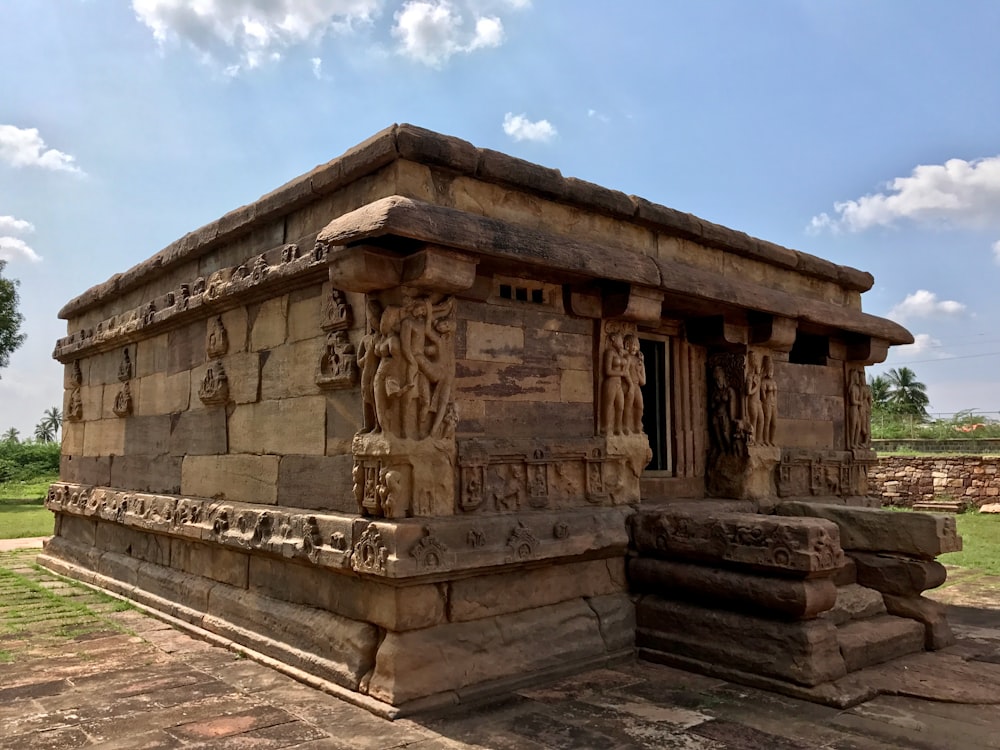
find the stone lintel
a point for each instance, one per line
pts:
(397, 549)
(767, 543)
(923, 535)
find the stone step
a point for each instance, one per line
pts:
(939, 506)
(864, 643)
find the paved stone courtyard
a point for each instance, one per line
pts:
(79, 669)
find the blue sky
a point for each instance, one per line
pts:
(864, 132)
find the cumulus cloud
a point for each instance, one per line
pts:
(14, 248)
(317, 67)
(520, 128)
(251, 32)
(431, 32)
(959, 192)
(924, 345)
(925, 304)
(24, 147)
(18, 226)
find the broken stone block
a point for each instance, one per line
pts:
(855, 602)
(937, 632)
(897, 574)
(865, 643)
(923, 535)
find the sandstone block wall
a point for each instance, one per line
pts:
(905, 480)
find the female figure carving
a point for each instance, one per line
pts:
(753, 412)
(768, 402)
(612, 387)
(723, 411)
(392, 389)
(368, 363)
(636, 366)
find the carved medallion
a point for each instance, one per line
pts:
(521, 543)
(430, 552)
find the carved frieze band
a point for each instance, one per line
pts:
(838, 473)
(224, 289)
(393, 549)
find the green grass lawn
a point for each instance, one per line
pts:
(22, 513)
(980, 543)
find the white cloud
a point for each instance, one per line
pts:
(12, 248)
(12, 224)
(996, 251)
(254, 31)
(924, 345)
(432, 32)
(925, 304)
(24, 147)
(959, 192)
(317, 67)
(520, 128)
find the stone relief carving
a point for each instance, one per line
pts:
(430, 552)
(337, 313)
(769, 402)
(123, 401)
(839, 473)
(407, 363)
(289, 253)
(74, 409)
(859, 410)
(338, 367)
(369, 553)
(216, 339)
(521, 543)
(623, 373)
(125, 368)
(723, 418)
(75, 374)
(214, 388)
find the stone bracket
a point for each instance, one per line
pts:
(631, 302)
(773, 331)
(718, 332)
(366, 268)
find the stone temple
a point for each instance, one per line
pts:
(431, 422)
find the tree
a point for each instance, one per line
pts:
(11, 436)
(880, 389)
(44, 432)
(52, 419)
(907, 395)
(10, 319)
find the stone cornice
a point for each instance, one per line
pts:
(427, 147)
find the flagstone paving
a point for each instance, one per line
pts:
(81, 669)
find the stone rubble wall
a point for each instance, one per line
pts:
(905, 480)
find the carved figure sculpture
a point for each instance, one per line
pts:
(336, 313)
(412, 355)
(216, 340)
(866, 411)
(74, 410)
(753, 412)
(768, 402)
(722, 408)
(125, 368)
(636, 379)
(859, 400)
(368, 363)
(123, 401)
(614, 369)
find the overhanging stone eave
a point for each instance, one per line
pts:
(402, 217)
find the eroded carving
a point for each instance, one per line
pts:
(370, 553)
(75, 374)
(859, 405)
(521, 543)
(768, 402)
(125, 367)
(337, 313)
(123, 401)
(214, 388)
(216, 339)
(74, 409)
(338, 367)
(430, 552)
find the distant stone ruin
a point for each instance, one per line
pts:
(430, 422)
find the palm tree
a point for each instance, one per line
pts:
(11, 436)
(52, 418)
(44, 432)
(907, 395)
(880, 389)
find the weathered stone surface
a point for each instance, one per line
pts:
(897, 574)
(211, 561)
(104, 437)
(392, 607)
(85, 469)
(420, 663)
(113, 537)
(288, 426)
(990, 508)
(147, 436)
(734, 589)
(864, 643)
(855, 602)
(805, 652)
(244, 478)
(616, 619)
(198, 432)
(874, 530)
(486, 596)
(317, 482)
(147, 473)
(932, 614)
(808, 547)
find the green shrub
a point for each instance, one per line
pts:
(21, 462)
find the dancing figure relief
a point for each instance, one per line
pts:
(407, 362)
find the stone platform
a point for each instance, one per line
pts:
(87, 673)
